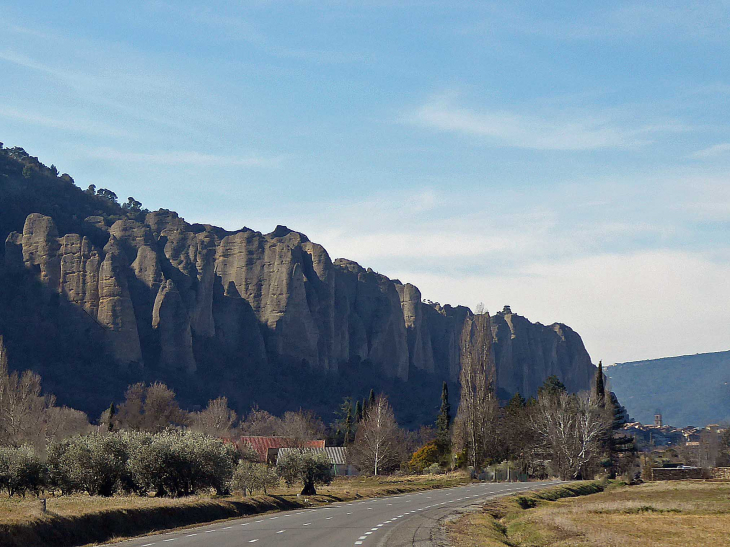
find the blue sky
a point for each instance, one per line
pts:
(567, 158)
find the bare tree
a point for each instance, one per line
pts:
(22, 406)
(476, 424)
(150, 408)
(260, 422)
(216, 419)
(571, 429)
(301, 426)
(378, 439)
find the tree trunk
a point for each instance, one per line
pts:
(309, 489)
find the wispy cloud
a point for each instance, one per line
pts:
(556, 131)
(713, 151)
(191, 157)
(67, 124)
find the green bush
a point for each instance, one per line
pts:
(305, 467)
(21, 471)
(175, 463)
(95, 463)
(253, 477)
(424, 457)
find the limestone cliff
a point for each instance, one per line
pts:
(161, 287)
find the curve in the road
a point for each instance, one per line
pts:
(406, 519)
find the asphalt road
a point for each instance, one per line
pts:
(404, 520)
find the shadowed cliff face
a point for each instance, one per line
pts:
(161, 286)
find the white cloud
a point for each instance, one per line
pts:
(182, 158)
(555, 131)
(713, 151)
(625, 306)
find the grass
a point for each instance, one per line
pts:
(666, 514)
(82, 519)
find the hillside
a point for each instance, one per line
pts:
(95, 296)
(687, 390)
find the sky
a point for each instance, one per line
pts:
(569, 159)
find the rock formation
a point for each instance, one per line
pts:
(160, 288)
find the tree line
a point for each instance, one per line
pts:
(147, 443)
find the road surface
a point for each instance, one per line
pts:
(396, 521)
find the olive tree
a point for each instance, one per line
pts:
(21, 470)
(306, 467)
(250, 477)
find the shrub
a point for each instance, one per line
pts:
(21, 471)
(305, 467)
(177, 463)
(425, 456)
(251, 477)
(434, 469)
(95, 463)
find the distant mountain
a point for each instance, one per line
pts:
(687, 390)
(95, 296)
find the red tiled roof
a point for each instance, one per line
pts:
(262, 444)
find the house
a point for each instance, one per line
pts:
(268, 447)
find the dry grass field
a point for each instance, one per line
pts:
(664, 514)
(80, 519)
(17, 510)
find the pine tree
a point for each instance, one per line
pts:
(371, 399)
(358, 412)
(443, 421)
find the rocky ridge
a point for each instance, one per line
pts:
(160, 288)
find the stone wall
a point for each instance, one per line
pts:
(676, 474)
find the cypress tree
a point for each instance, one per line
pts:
(358, 412)
(443, 421)
(348, 424)
(3, 356)
(112, 413)
(600, 388)
(371, 399)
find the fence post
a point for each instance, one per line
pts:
(43, 505)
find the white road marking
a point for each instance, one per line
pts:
(306, 524)
(191, 535)
(147, 544)
(245, 524)
(227, 528)
(281, 531)
(363, 537)
(328, 518)
(272, 518)
(257, 521)
(252, 540)
(358, 543)
(172, 539)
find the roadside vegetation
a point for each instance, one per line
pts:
(665, 514)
